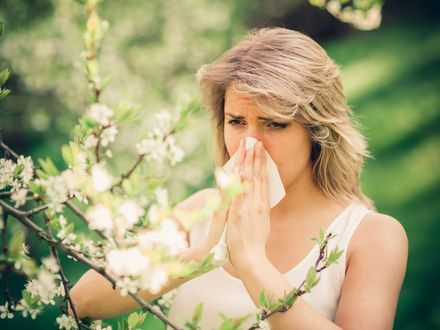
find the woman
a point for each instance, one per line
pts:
(280, 87)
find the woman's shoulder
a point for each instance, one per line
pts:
(381, 237)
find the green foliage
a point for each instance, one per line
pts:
(311, 279)
(194, 324)
(135, 320)
(232, 324)
(48, 168)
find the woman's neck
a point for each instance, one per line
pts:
(303, 199)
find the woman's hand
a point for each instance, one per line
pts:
(248, 218)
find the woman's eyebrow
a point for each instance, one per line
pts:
(242, 117)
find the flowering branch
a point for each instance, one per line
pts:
(19, 215)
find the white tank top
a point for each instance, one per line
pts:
(221, 292)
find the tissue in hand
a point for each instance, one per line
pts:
(276, 192)
(276, 188)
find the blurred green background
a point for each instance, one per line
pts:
(391, 77)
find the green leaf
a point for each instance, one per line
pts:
(4, 75)
(41, 174)
(1, 28)
(18, 170)
(67, 155)
(16, 243)
(142, 317)
(48, 166)
(106, 81)
(311, 279)
(133, 320)
(125, 113)
(334, 256)
(4, 93)
(264, 301)
(197, 314)
(35, 189)
(123, 325)
(321, 235)
(314, 239)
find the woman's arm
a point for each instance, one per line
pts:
(94, 297)
(371, 288)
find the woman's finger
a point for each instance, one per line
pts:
(247, 171)
(257, 175)
(264, 182)
(241, 153)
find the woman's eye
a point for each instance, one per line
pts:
(274, 125)
(234, 122)
(277, 125)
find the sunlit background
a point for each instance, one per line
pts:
(391, 77)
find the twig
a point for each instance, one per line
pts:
(298, 291)
(82, 216)
(9, 150)
(64, 280)
(36, 210)
(136, 164)
(5, 271)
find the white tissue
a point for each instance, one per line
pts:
(276, 193)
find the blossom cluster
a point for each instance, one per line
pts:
(364, 15)
(16, 176)
(159, 144)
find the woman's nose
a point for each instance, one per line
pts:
(255, 132)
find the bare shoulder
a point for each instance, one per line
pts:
(376, 267)
(380, 233)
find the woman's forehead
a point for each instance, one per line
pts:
(239, 103)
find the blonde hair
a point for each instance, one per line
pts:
(291, 77)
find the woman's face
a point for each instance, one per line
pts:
(288, 143)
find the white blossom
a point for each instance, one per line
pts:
(56, 190)
(44, 286)
(152, 149)
(161, 196)
(26, 309)
(164, 121)
(4, 311)
(220, 254)
(130, 213)
(129, 262)
(91, 141)
(28, 168)
(100, 113)
(168, 236)
(126, 285)
(66, 322)
(99, 217)
(225, 180)
(51, 264)
(7, 168)
(167, 299)
(157, 278)
(97, 325)
(264, 325)
(101, 178)
(108, 135)
(19, 196)
(175, 153)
